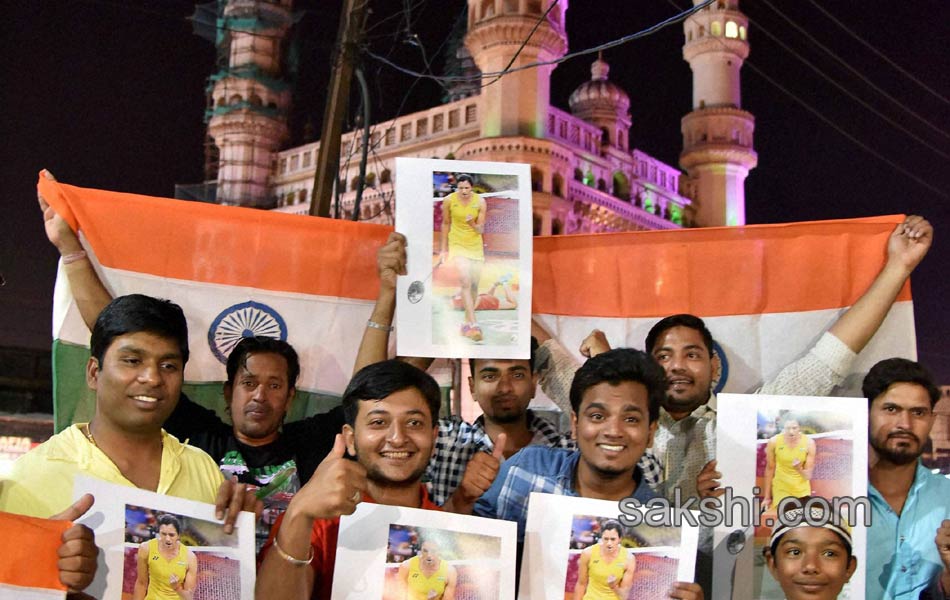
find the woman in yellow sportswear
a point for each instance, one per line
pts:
(463, 221)
(605, 569)
(167, 569)
(426, 576)
(790, 462)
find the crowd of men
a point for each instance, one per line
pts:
(641, 426)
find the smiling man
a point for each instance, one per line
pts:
(909, 538)
(615, 400)
(139, 347)
(390, 410)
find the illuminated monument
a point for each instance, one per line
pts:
(585, 176)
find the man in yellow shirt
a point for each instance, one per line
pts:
(427, 576)
(139, 347)
(167, 569)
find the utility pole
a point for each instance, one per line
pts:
(352, 20)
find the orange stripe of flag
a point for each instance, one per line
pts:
(29, 554)
(711, 272)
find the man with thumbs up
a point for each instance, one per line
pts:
(390, 409)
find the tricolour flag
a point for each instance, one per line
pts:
(234, 271)
(767, 292)
(29, 568)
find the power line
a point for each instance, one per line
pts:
(817, 113)
(524, 43)
(851, 69)
(851, 94)
(880, 54)
(612, 44)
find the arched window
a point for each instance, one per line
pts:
(715, 28)
(557, 185)
(511, 6)
(578, 174)
(354, 183)
(255, 100)
(621, 186)
(742, 32)
(488, 9)
(602, 185)
(732, 30)
(236, 99)
(702, 31)
(385, 176)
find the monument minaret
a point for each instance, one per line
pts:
(517, 104)
(717, 135)
(248, 118)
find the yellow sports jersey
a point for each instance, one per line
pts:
(160, 571)
(788, 481)
(598, 570)
(463, 239)
(421, 586)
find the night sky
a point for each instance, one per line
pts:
(110, 94)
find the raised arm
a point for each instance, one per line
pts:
(90, 294)
(390, 263)
(907, 246)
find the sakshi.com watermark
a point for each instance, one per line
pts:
(730, 510)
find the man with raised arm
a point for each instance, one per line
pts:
(685, 441)
(258, 447)
(462, 465)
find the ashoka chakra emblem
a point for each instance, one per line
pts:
(240, 321)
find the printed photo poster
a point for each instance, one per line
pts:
(566, 536)
(163, 544)
(468, 227)
(770, 448)
(395, 553)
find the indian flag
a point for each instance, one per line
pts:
(235, 272)
(28, 570)
(767, 292)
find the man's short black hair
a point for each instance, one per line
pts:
(531, 365)
(612, 524)
(263, 345)
(898, 370)
(170, 520)
(135, 313)
(379, 380)
(619, 365)
(680, 320)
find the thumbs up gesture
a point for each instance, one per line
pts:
(479, 475)
(335, 488)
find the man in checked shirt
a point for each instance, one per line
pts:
(462, 465)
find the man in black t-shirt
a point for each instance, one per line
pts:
(262, 375)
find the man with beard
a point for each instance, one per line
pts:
(909, 504)
(390, 409)
(685, 441)
(467, 455)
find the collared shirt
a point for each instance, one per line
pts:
(323, 542)
(537, 469)
(458, 442)
(685, 446)
(902, 557)
(41, 483)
